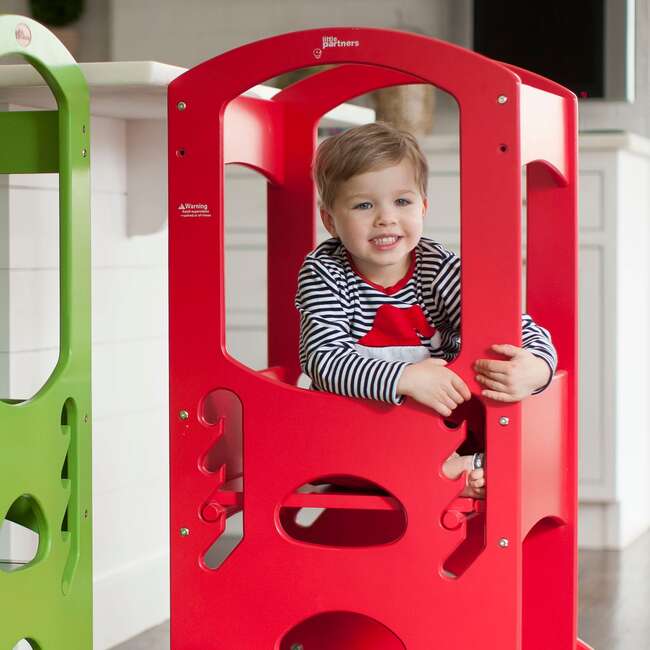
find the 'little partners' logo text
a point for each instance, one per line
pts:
(333, 41)
(194, 210)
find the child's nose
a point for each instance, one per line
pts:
(386, 216)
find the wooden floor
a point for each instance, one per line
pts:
(615, 597)
(614, 602)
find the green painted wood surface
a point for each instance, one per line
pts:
(45, 441)
(30, 142)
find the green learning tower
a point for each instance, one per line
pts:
(45, 441)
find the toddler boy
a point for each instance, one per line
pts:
(380, 304)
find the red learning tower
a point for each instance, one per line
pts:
(395, 561)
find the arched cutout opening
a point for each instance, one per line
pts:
(72, 516)
(342, 511)
(22, 535)
(221, 412)
(464, 514)
(548, 567)
(245, 207)
(68, 429)
(221, 549)
(524, 237)
(247, 245)
(29, 242)
(546, 292)
(338, 630)
(27, 644)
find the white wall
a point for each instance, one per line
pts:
(130, 385)
(93, 27)
(194, 30)
(188, 32)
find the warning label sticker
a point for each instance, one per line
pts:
(194, 210)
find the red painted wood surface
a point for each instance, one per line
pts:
(515, 555)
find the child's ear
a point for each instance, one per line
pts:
(328, 222)
(425, 204)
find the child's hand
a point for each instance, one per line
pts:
(514, 379)
(433, 385)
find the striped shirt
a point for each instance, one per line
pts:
(356, 337)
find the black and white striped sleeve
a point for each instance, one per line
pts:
(327, 348)
(537, 340)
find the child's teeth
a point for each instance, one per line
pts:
(385, 240)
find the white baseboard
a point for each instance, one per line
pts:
(130, 600)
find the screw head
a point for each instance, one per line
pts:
(86, 418)
(84, 153)
(184, 532)
(181, 106)
(504, 421)
(85, 514)
(297, 646)
(504, 542)
(502, 99)
(183, 415)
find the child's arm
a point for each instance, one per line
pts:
(329, 357)
(327, 348)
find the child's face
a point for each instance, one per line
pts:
(378, 216)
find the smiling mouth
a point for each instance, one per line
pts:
(386, 240)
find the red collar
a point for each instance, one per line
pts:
(389, 291)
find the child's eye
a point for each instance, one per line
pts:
(366, 205)
(403, 202)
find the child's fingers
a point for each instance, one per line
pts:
(491, 365)
(440, 408)
(461, 387)
(498, 396)
(449, 401)
(506, 349)
(492, 384)
(454, 395)
(477, 482)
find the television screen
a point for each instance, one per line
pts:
(564, 41)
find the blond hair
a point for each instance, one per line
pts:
(362, 149)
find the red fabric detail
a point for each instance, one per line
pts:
(397, 327)
(389, 291)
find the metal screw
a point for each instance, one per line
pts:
(86, 418)
(504, 421)
(85, 514)
(297, 646)
(83, 128)
(184, 532)
(181, 106)
(84, 153)
(504, 542)
(183, 415)
(502, 99)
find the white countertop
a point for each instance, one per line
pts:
(137, 90)
(132, 90)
